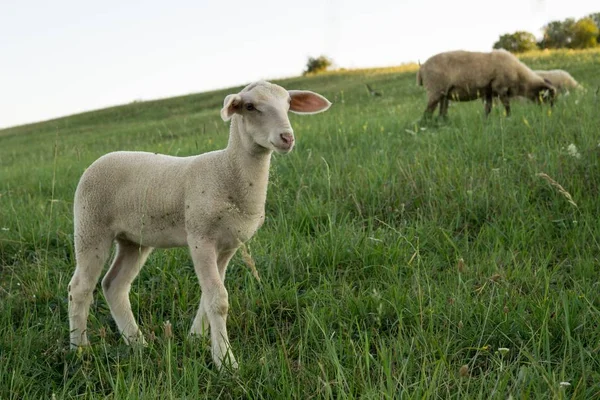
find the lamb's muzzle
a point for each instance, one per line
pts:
(287, 141)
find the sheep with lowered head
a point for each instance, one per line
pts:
(465, 76)
(210, 203)
(560, 79)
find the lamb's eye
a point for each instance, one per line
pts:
(250, 107)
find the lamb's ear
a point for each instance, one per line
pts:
(231, 105)
(307, 102)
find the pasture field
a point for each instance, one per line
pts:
(396, 258)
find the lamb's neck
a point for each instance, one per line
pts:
(250, 163)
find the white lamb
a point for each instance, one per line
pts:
(210, 203)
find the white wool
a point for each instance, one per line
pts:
(560, 79)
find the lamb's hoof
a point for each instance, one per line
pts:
(136, 341)
(77, 345)
(234, 366)
(80, 349)
(199, 328)
(142, 344)
(228, 363)
(198, 337)
(198, 333)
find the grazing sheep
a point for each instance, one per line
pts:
(560, 79)
(210, 203)
(465, 76)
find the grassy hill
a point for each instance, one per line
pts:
(396, 259)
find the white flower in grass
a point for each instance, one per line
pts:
(573, 152)
(564, 384)
(503, 350)
(168, 330)
(376, 294)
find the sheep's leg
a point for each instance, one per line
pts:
(432, 102)
(444, 107)
(431, 106)
(90, 255)
(506, 102)
(116, 284)
(200, 324)
(488, 103)
(214, 294)
(223, 261)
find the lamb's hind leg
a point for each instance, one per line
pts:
(216, 303)
(200, 324)
(116, 284)
(91, 254)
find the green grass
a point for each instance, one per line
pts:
(392, 255)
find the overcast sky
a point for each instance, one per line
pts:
(63, 57)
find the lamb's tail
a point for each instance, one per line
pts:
(419, 77)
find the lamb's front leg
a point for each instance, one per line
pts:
(214, 299)
(200, 324)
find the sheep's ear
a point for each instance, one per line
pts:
(307, 102)
(547, 92)
(231, 105)
(549, 88)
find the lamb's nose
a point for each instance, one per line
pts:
(287, 138)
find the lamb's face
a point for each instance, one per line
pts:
(264, 111)
(263, 108)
